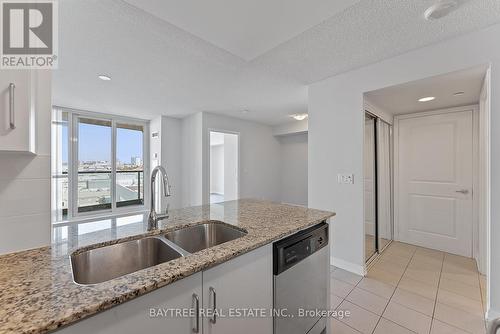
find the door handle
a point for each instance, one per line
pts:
(12, 122)
(214, 295)
(463, 191)
(196, 329)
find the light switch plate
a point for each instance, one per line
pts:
(345, 178)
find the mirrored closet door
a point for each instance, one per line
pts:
(370, 187)
(377, 185)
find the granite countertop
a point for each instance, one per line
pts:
(38, 293)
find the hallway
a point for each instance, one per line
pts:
(411, 290)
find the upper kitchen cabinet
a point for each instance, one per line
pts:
(18, 111)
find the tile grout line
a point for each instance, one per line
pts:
(343, 300)
(435, 304)
(406, 267)
(346, 300)
(392, 295)
(437, 291)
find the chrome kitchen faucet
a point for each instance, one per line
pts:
(154, 217)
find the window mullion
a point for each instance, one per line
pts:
(113, 165)
(73, 165)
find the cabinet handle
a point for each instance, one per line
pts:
(197, 305)
(214, 294)
(11, 105)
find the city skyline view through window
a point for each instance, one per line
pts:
(101, 177)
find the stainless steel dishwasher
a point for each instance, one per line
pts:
(301, 273)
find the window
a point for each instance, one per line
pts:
(98, 163)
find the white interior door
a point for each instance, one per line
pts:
(435, 181)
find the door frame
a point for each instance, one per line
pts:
(379, 118)
(375, 188)
(476, 167)
(238, 134)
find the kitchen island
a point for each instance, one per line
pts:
(38, 291)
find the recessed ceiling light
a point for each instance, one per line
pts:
(426, 99)
(440, 9)
(104, 77)
(459, 94)
(245, 111)
(299, 117)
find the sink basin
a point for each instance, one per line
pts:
(104, 263)
(199, 237)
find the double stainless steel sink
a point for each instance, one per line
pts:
(199, 237)
(101, 264)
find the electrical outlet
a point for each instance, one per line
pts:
(345, 178)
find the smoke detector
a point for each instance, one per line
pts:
(440, 9)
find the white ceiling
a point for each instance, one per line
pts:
(160, 69)
(371, 31)
(245, 28)
(403, 99)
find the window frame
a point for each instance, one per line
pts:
(73, 139)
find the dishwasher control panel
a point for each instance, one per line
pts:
(293, 249)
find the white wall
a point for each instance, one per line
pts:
(270, 167)
(289, 128)
(171, 158)
(336, 137)
(259, 156)
(168, 147)
(155, 155)
(217, 169)
(25, 211)
(231, 167)
(293, 168)
(484, 208)
(192, 160)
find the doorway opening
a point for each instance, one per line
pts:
(224, 167)
(439, 190)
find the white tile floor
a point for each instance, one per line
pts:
(411, 290)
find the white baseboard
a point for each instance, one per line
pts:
(349, 266)
(492, 314)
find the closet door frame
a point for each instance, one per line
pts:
(377, 121)
(375, 188)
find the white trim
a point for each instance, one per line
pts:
(492, 314)
(371, 108)
(207, 172)
(93, 114)
(475, 134)
(100, 216)
(113, 165)
(484, 176)
(349, 266)
(436, 112)
(475, 182)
